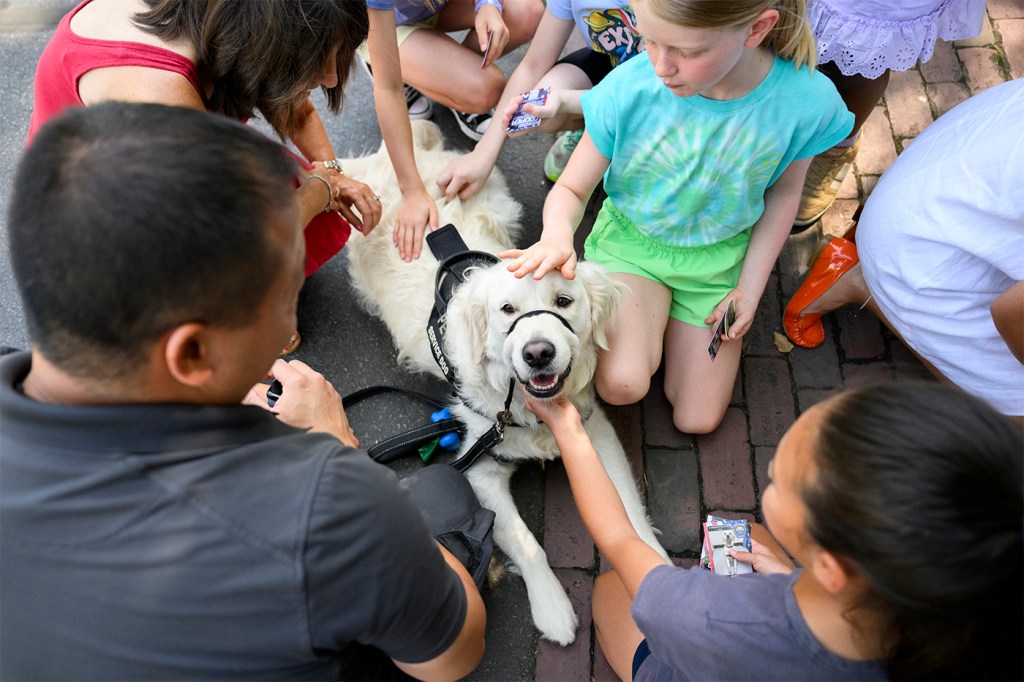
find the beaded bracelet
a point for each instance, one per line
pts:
(330, 190)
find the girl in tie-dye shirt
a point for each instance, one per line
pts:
(702, 145)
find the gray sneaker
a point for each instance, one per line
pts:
(558, 155)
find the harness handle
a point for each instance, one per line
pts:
(405, 443)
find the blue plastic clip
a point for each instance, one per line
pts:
(449, 442)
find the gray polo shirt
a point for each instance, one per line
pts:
(185, 541)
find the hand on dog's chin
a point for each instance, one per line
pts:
(552, 409)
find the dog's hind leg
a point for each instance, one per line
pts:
(613, 457)
(549, 604)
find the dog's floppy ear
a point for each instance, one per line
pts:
(467, 322)
(604, 293)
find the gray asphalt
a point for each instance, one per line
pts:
(348, 346)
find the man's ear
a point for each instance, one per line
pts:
(188, 354)
(833, 573)
(764, 23)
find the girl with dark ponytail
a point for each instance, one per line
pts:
(903, 507)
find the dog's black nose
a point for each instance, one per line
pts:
(538, 353)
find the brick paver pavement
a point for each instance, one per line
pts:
(687, 477)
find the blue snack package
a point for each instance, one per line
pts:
(522, 120)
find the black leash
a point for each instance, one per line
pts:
(492, 437)
(407, 442)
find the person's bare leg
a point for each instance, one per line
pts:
(698, 387)
(624, 371)
(861, 95)
(460, 84)
(617, 633)
(850, 289)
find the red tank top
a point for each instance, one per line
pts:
(68, 57)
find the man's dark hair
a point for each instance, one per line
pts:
(262, 55)
(127, 220)
(922, 487)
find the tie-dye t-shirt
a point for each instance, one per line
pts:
(607, 26)
(691, 171)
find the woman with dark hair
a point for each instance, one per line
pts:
(903, 506)
(233, 57)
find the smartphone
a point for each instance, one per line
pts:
(522, 120)
(487, 52)
(724, 324)
(274, 393)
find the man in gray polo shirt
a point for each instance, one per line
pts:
(153, 526)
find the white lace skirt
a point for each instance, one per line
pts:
(867, 37)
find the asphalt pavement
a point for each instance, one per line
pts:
(350, 348)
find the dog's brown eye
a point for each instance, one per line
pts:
(563, 301)
(508, 309)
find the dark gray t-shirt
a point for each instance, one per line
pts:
(184, 541)
(702, 626)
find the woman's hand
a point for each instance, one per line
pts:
(416, 213)
(489, 22)
(350, 196)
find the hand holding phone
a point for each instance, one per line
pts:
(274, 393)
(520, 119)
(487, 50)
(722, 328)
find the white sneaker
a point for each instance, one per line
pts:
(418, 103)
(473, 125)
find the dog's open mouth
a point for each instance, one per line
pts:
(546, 385)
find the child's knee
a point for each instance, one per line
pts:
(690, 419)
(484, 94)
(621, 390)
(522, 19)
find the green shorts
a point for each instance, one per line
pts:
(698, 276)
(402, 31)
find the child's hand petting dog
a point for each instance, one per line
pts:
(416, 214)
(550, 253)
(558, 413)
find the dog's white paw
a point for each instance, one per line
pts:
(553, 614)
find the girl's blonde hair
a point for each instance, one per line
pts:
(791, 38)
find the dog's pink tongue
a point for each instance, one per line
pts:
(543, 380)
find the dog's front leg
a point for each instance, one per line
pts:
(549, 604)
(613, 457)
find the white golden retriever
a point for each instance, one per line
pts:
(545, 353)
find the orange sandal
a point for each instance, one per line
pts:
(293, 344)
(834, 260)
